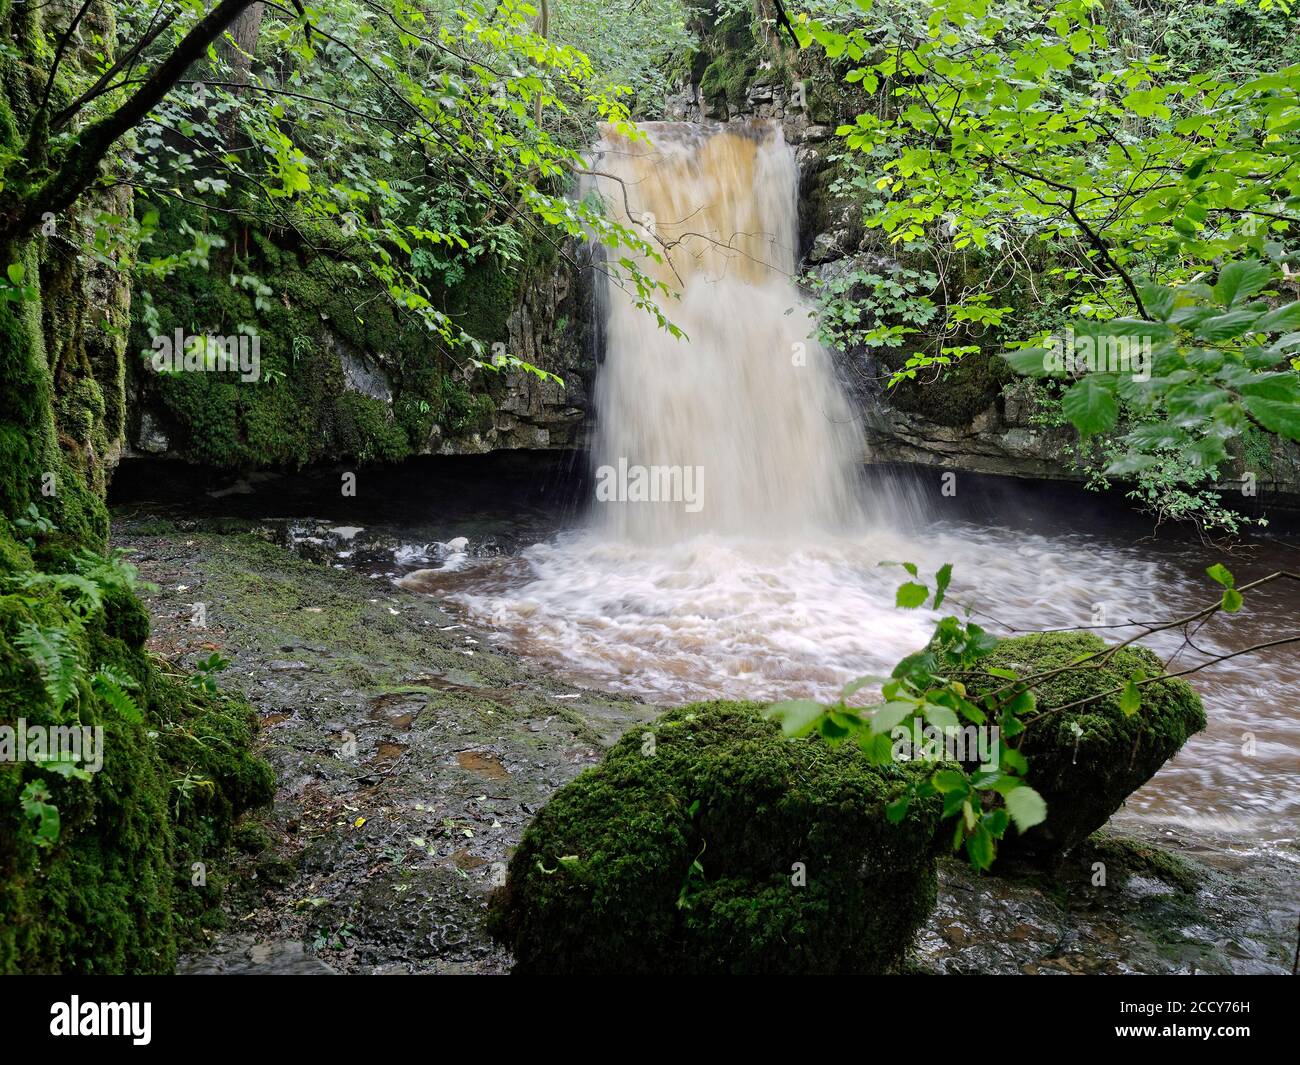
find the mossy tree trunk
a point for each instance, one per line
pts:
(62, 341)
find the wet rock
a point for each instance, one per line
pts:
(240, 957)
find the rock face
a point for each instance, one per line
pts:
(550, 326)
(335, 387)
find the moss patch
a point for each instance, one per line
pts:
(135, 868)
(961, 392)
(320, 314)
(728, 60)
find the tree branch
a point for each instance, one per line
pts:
(80, 164)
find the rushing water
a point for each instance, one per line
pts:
(748, 404)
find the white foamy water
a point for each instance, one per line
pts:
(766, 619)
(722, 617)
(750, 400)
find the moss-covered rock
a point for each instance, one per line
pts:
(336, 383)
(728, 59)
(134, 868)
(962, 391)
(131, 865)
(683, 851)
(1086, 761)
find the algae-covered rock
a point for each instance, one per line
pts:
(709, 843)
(1087, 760)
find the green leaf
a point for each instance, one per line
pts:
(1240, 280)
(940, 717)
(798, 717)
(1221, 327)
(1013, 759)
(1026, 807)
(109, 686)
(949, 780)
(980, 848)
(1283, 387)
(16, 272)
(889, 715)
(1031, 362)
(996, 822)
(1146, 103)
(1090, 405)
(911, 595)
(1130, 700)
(941, 581)
(857, 684)
(1281, 319)
(1231, 600)
(1159, 301)
(1274, 415)
(897, 810)
(1024, 702)
(1130, 463)
(54, 656)
(1220, 574)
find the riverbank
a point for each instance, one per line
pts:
(411, 753)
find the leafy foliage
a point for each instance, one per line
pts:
(1002, 128)
(55, 657)
(925, 690)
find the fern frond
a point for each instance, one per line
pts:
(111, 686)
(55, 657)
(108, 571)
(83, 593)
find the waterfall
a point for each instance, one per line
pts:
(741, 427)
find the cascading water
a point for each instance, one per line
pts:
(746, 413)
(759, 575)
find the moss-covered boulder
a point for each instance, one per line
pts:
(709, 843)
(1087, 760)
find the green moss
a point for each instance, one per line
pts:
(961, 392)
(116, 892)
(682, 857)
(732, 62)
(27, 443)
(302, 411)
(112, 891)
(251, 838)
(1086, 761)
(367, 431)
(482, 303)
(1135, 857)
